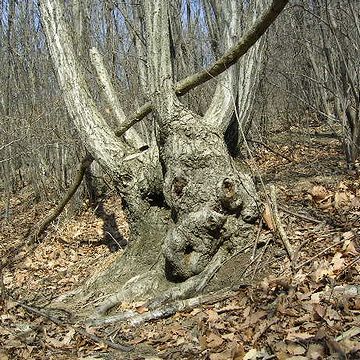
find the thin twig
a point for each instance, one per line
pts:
(301, 216)
(279, 227)
(2, 285)
(319, 254)
(348, 266)
(297, 251)
(94, 338)
(256, 240)
(258, 259)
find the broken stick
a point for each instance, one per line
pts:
(279, 227)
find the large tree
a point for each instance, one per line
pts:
(190, 205)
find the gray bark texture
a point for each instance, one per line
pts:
(187, 199)
(201, 185)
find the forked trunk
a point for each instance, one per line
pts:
(182, 227)
(201, 185)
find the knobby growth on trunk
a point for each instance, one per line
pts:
(189, 203)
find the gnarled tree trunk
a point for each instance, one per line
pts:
(188, 202)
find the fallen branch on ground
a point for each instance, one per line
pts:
(279, 227)
(85, 163)
(270, 149)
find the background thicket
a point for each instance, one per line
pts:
(307, 69)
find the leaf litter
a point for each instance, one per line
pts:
(308, 309)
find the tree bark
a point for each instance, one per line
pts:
(201, 184)
(135, 173)
(186, 220)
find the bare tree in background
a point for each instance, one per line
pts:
(322, 71)
(36, 138)
(339, 63)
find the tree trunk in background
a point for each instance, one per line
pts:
(336, 68)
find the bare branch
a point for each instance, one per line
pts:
(235, 52)
(220, 65)
(132, 137)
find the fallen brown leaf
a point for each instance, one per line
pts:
(214, 341)
(318, 193)
(267, 217)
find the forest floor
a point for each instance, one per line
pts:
(304, 308)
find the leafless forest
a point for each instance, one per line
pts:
(179, 179)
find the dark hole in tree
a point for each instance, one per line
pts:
(188, 249)
(178, 185)
(156, 199)
(231, 136)
(171, 273)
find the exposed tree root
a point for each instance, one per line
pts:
(176, 298)
(79, 330)
(135, 319)
(129, 279)
(139, 286)
(135, 288)
(193, 285)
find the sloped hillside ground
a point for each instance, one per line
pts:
(303, 307)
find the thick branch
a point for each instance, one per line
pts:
(144, 110)
(85, 163)
(132, 136)
(234, 53)
(220, 65)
